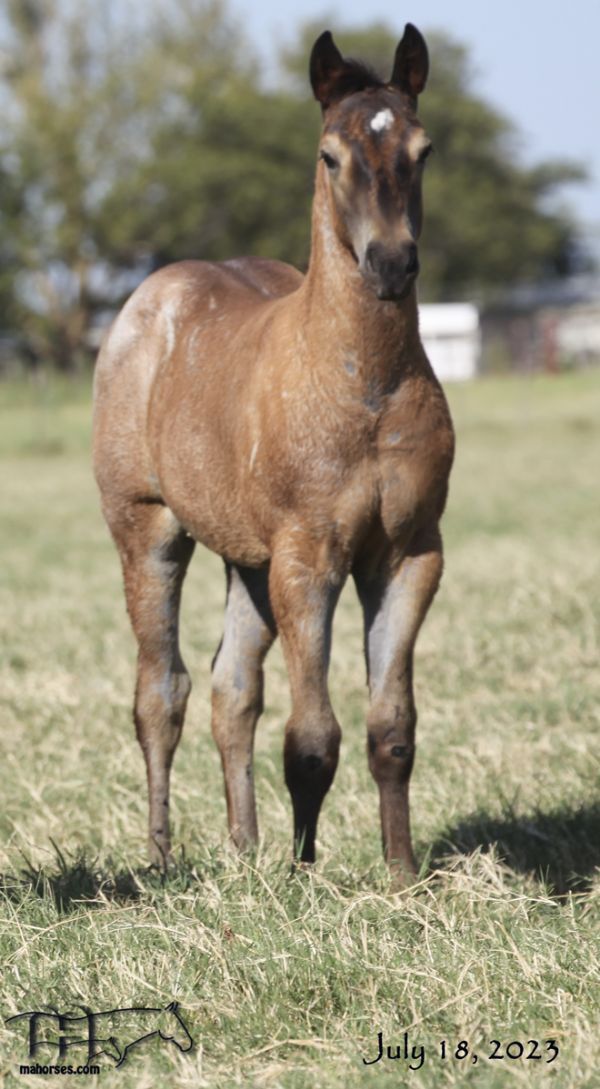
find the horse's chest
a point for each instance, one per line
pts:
(400, 489)
(413, 466)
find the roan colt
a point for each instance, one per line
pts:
(293, 425)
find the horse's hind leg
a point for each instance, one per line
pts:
(155, 553)
(237, 692)
(394, 603)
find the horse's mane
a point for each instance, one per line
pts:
(356, 76)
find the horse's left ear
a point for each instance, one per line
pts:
(411, 63)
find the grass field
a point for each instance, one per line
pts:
(287, 980)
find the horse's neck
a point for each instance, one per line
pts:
(344, 323)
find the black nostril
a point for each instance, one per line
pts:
(412, 265)
(371, 256)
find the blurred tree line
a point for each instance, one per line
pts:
(133, 140)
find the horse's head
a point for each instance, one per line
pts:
(173, 1028)
(373, 150)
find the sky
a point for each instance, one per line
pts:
(536, 61)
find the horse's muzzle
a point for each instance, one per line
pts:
(391, 273)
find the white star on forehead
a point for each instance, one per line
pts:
(382, 120)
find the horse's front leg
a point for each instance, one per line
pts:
(395, 600)
(304, 586)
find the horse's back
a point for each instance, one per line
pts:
(271, 279)
(185, 290)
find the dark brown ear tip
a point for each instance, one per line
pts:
(325, 62)
(324, 41)
(413, 38)
(411, 62)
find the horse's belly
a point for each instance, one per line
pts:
(235, 542)
(212, 512)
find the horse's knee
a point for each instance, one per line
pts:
(311, 755)
(391, 743)
(236, 694)
(160, 702)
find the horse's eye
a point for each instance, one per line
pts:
(425, 153)
(329, 160)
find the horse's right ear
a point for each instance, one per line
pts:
(327, 67)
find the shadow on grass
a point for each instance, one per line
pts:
(560, 848)
(78, 881)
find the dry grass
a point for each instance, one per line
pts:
(286, 981)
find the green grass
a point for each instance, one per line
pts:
(286, 980)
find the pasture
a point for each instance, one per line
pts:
(286, 980)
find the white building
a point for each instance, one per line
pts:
(451, 337)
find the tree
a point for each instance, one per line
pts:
(89, 101)
(229, 170)
(55, 88)
(10, 211)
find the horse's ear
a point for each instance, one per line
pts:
(327, 68)
(411, 63)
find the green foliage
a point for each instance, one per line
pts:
(130, 143)
(58, 88)
(486, 219)
(233, 177)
